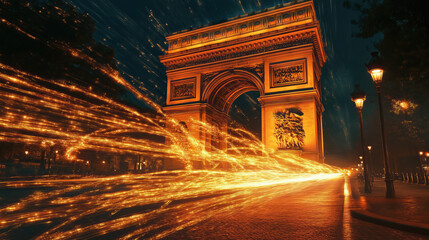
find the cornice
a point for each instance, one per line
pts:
(250, 48)
(283, 17)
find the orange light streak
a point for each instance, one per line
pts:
(77, 119)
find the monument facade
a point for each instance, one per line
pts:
(278, 52)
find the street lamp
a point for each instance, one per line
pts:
(375, 68)
(358, 97)
(370, 164)
(421, 167)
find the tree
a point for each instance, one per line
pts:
(401, 32)
(404, 44)
(40, 37)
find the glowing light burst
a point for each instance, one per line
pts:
(150, 205)
(400, 106)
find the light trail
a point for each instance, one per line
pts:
(146, 206)
(130, 206)
(47, 112)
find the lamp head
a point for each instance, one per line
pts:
(358, 97)
(375, 68)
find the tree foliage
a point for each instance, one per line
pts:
(39, 37)
(404, 30)
(400, 29)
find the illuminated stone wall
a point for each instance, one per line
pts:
(278, 53)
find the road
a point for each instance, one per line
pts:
(198, 205)
(319, 211)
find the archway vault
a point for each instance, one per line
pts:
(278, 53)
(227, 86)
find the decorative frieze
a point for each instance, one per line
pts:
(288, 73)
(183, 89)
(241, 28)
(242, 51)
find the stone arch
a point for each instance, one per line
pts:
(227, 86)
(282, 60)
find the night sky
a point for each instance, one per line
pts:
(137, 31)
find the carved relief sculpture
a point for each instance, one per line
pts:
(183, 89)
(278, 52)
(289, 130)
(284, 74)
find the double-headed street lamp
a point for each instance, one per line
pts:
(375, 68)
(358, 97)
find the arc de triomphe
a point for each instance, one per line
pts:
(278, 52)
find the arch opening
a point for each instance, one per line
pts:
(225, 88)
(245, 113)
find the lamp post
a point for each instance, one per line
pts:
(375, 68)
(421, 167)
(370, 163)
(426, 169)
(358, 97)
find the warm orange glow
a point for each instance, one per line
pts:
(421, 153)
(346, 189)
(369, 148)
(404, 105)
(242, 174)
(359, 103)
(377, 75)
(427, 154)
(251, 165)
(69, 212)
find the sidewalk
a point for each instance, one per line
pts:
(408, 211)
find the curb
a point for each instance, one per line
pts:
(421, 228)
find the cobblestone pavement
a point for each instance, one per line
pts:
(411, 202)
(320, 211)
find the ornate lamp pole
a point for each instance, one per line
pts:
(421, 167)
(358, 97)
(370, 163)
(375, 68)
